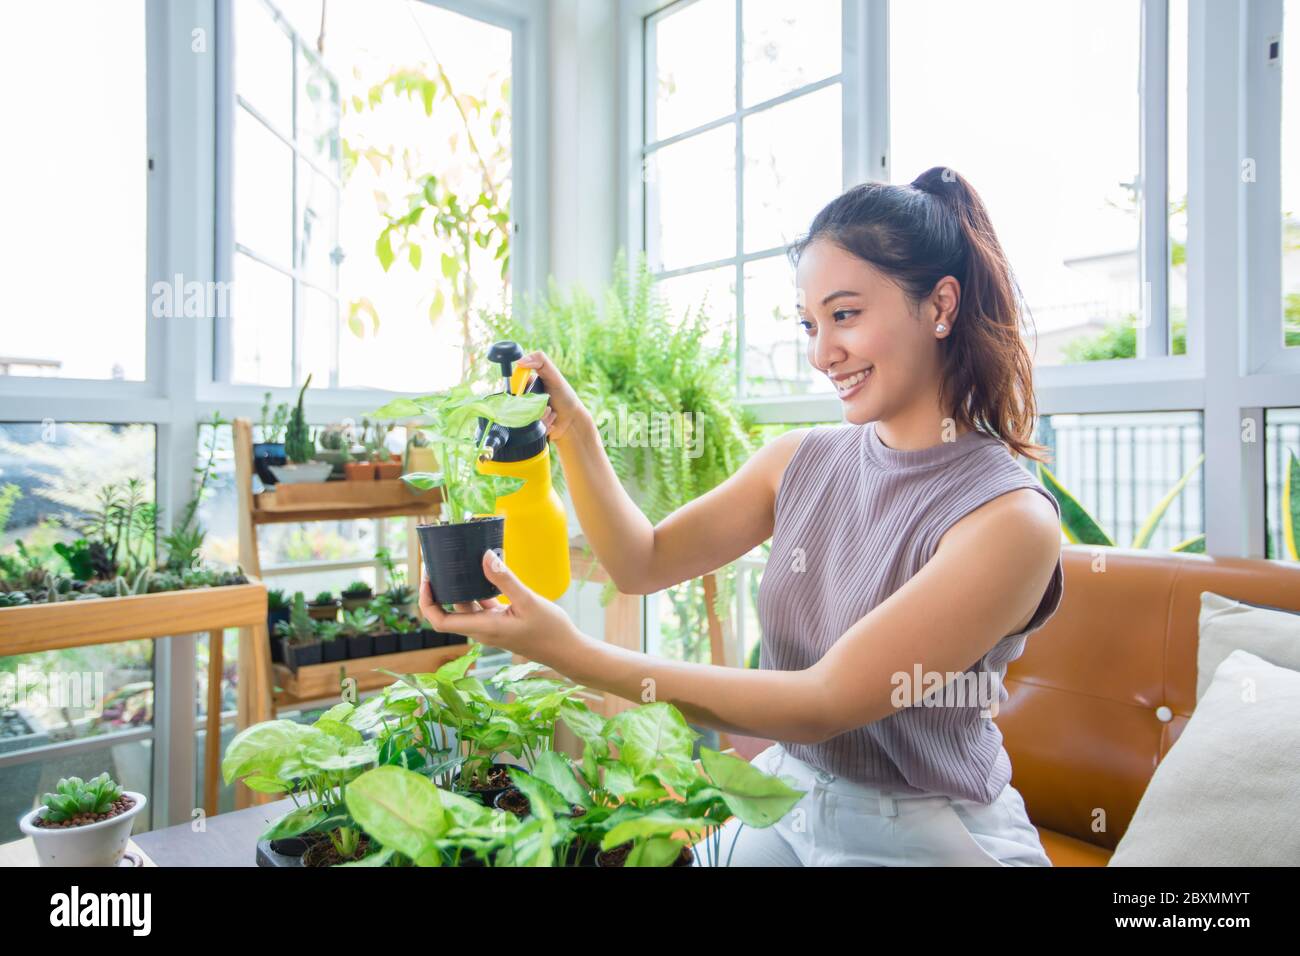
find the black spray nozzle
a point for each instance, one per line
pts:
(506, 354)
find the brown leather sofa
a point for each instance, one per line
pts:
(1103, 690)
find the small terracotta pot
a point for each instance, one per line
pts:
(359, 470)
(388, 470)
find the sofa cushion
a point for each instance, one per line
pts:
(1227, 625)
(1228, 792)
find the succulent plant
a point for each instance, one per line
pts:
(73, 797)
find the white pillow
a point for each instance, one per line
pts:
(1227, 625)
(1228, 791)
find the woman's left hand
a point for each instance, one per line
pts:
(529, 625)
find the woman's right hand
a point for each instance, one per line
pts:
(564, 408)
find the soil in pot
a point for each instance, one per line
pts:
(512, 800)
(123, 804)
(497, 780)
(324, 853)
(618, 856)
(453, 557)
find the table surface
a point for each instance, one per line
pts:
(228, 839)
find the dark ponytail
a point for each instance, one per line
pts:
(916, 235)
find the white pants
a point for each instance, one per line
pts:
(841, 823)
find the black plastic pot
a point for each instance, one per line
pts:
(431, 638)
(300, 655)
(453, 558)
(266, 454)
(385, 644)
(277, 649)
(489, 795)
(410, 641)
(363, 645)
(335, 650)
(287, 852)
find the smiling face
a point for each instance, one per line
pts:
(880, 349)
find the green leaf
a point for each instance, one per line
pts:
(356, 310)
(384, 249)
(1144, 533)
(416, 256)
(554, 769)
(265, 749)
(400, 809)
(437, 306)
(397, 408)
(1079, 526)
(295, 822)
(450, 266)
(757, 798)
(424, 480)
(655, 739)
(261, 784)
(658, 823)
(660, 852)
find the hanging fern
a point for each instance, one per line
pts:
(634, 355)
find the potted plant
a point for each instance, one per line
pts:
(388, 466)
(333, 646)
(359, 467)
(83, 823)
(299, 448)
(359, 632)
(453, 547)
(408, 633)
(270, 450)
(298, 641)
(323, 607)
(335, 447)
(355, 595)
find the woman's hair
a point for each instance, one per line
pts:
(937, 226)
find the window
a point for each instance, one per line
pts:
(285, 205)
(1052, 136)
(1282, 477)
(371, 191)
(743, 146)
(95, 703)
(73, 187)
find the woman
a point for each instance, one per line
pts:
(907, 543)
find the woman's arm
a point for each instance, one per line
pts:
(986, 577)
(702, 536)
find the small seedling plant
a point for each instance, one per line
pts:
(451, 419)
(74, 799)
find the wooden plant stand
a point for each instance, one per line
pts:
(259, 698)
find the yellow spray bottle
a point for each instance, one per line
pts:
(536, 541)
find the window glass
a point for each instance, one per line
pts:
(692, 75)
(691, 200)
(1120, 467)
(1062, 183)
(1291, 175)
(73, 189)
(789, 45)
(1282, 483)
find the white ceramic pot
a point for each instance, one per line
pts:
(95, 844)
(311, 471)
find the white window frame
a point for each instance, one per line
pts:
(180, 391)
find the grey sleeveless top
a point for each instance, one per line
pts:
(855, 519)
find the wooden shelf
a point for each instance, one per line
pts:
(318, 681)
(41, 627)
(342, 500)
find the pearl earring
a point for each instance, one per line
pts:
(940, 327)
